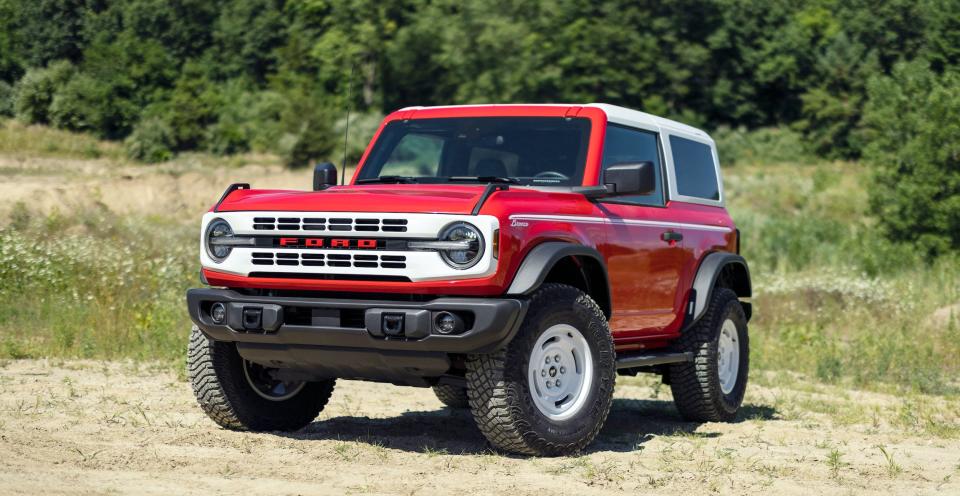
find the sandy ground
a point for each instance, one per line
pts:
(125, 428)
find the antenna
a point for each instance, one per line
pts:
(346, 130)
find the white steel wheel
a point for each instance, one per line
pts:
(728, 356)
(560, 372)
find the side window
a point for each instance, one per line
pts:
(414, 155)
(624, 145)
(695, 169)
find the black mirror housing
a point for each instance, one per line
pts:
(324, 176)
(638, 178)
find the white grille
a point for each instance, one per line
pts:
(287, 262)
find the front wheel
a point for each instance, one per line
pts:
(711, 388)
(242, 395)
(550, 390)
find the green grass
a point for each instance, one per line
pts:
(40, 141)
(833, 298)
(94, 285)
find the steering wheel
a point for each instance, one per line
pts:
(551, 175)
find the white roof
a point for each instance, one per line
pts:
(615, 114)
(623, 115)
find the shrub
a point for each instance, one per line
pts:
(763, 145)
(152, 140)
(307, 135)
(78, 105)
(192, 107)
(6, 99)
(247, 120)
(35, 91)
(912, 127)
(312, 142)
(362, 128)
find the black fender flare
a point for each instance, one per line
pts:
(543, 257)
(709, 271)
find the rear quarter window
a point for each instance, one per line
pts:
(695, 169)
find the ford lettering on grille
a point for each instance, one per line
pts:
(346, 243)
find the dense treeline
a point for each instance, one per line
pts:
(272, 75)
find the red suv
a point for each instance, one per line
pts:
(515, 258)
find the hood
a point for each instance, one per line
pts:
(421, 198)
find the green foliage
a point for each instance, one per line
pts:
(35, 92)
(362, 128)
(192, 107)
(309, 143)
(6, 99)
(749, 64)
(81, 104)
(111, 288)
(912, 125)
(49, 30)
(152, 140)
(764, 145)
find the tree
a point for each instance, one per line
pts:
(912, 125)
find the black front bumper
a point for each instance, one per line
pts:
(330, 337)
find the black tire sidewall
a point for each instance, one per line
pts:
(568, 311)
(730, 403)
(257, 412)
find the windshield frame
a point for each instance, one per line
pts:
(586, 163)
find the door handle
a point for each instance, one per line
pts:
(671, 236)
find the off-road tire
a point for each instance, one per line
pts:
(499, 391)
(452, 396)
(696, 385)
(216, 373)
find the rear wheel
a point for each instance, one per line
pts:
(550, 390)
(452, 396)
(711, 388)
(242, 395)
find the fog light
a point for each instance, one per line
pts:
(218, 313)
(447, 323)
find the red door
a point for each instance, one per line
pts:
(644, 250)
(645, 261)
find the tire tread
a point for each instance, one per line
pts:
(215, 374)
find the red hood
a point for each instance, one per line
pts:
(419, 198)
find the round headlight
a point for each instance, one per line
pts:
(473, 245)
(218, 229)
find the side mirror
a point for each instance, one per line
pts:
(637, 178)
(324, 176)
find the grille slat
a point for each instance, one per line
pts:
(365, 261)
(331, 224)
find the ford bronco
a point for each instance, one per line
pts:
(515, 258)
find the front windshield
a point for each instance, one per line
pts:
(541, 151)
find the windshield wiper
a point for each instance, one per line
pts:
(388, 180)
(483, 179)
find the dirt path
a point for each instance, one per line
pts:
(107, 428)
